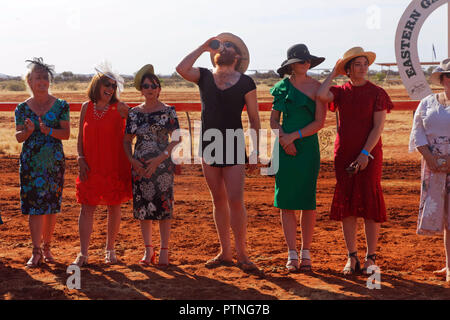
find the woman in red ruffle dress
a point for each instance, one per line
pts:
(362, 108)
(105, 173)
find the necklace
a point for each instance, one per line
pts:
(100, 114)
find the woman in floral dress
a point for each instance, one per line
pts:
(42, 121)
(430, 135)
(152, 168)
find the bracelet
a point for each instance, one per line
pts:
(365, 152)
(300, 133)
(51, 131)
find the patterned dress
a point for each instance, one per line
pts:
(432, 127)
(42, 162)
(152, 197)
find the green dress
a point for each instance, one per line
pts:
(296, 179)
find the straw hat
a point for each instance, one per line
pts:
(354, 53)
(299, 53)
(444, 67)
(245, 56)
(148, 68)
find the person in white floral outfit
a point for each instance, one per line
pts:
(430, 135)
(152, 123)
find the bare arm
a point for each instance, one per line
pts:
(84, 168)
(185, 67)
(324, 94)
(123, 108)
(23, 132)
(253, 116)
(61, 134)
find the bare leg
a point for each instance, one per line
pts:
(372, 230)
(146, 229)
(114, 215)
(221, 213)
(308, 224)
(85, 225)
(289, 224)
(36, 227)
(349, 225)
(234, 183)
(48, 230)
(164, 231)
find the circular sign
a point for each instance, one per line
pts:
(406, 53)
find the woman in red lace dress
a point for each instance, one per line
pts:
(105, 173)
(362, 108)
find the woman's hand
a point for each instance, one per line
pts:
(287, 139)
(205, 46)
(151, 166)
(138, 167)
(360, 163)
(29, 125)
(432, 162)
(84, 168)
(290, 150)
(444, 163)
(44, 129)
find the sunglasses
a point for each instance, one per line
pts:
(108, 84)
(147, 86)
(229, 44)
(303, 62)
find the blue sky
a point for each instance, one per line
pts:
(77, 35)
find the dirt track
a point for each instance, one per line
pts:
(406, 260)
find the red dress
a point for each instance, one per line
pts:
(109, 175)
(359, 195)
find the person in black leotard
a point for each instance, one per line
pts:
(224, 92)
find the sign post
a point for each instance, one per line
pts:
(406, 53)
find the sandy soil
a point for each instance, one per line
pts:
(407, 261)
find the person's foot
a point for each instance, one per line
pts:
(305, 263)
(110, 256)
(370, 261)
(444, 271)
(36, 258)
(219, 261)
(352, 266)
(163, 260)
(81, 260)
(149, 256)
(292, 263)
(48, 257)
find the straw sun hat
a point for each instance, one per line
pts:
(148, 68)
(354, 53)
(444, 67)
(239, 43)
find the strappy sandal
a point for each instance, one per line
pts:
(217, 262)
(110, 256)
(305, 256)
(348, 270)
(144, 262)
(292, 256)
(48, 258)
(163, 265)
(80, 260)
(372, 257)
(36, 251)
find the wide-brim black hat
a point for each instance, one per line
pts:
(298, 53)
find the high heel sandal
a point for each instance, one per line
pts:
(164, 265)
(110, 256)
(143, 262)
(348, 270)
(372, 257)
(292, 256)
(304, 254)
(47, 258)
(36, 251)
(80, 260)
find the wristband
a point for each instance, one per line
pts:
(365, 152)
(300, 133)
(51, 131)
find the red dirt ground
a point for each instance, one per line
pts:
(407, 261)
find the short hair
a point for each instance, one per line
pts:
(150, 76)
(38, 68)
(349, 63)
(93, 90)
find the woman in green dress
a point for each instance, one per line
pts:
(299, 156)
